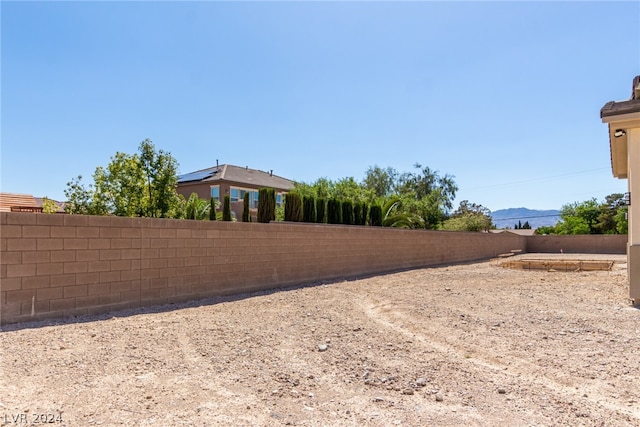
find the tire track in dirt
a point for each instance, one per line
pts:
(518, 368)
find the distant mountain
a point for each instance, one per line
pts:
(504, 218)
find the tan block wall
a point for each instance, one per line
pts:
(59, 265)
(579, 244)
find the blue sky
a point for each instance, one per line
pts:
(505, 96)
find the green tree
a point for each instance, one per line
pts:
(160, 170)
(622, 222)
(579, 218)
(470, 217)
(49, 206)
(382, 182)
(142, 184)
(608, 218)
(79, 197)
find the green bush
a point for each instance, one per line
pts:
(226, 208)
(321, 205)
(246, 214)
(292, 207)
(308, 209)
(375, 216)
(266, 205)
(347, 212)
(334, 214)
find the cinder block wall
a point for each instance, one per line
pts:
(59, 265)
(579, 244)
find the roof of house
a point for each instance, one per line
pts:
(238, 175)
(632, 105)
(619, 116)
(9, 200)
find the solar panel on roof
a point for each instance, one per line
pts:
(196, 176)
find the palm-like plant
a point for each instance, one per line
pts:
(392, 216)
(196, 208)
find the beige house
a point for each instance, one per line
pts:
(623, 118)
(236, 181)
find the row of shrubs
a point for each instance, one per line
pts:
(332, 211)
(304, 209)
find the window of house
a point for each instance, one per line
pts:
(215, 192)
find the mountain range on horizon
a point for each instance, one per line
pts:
(504, 218)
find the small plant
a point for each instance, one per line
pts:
(246, 215)
(347, 212)
(321, 205)
(334, 212)
(226, 208)
(375, 216)
(49, 206)
(308, 209)
(212, 209)
(292, 207)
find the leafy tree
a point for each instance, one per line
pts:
(622, 222)
(141, 184)
(579, 218)
(79, 197)
(424, 182)
(382, 182)
(226, 208)
(609, 218)
(470, 217)
(160, 170)
(49, 206)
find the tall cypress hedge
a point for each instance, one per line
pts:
(375, 216)
(357, 213)
(308, 209)
(347, 212)
(246, 215)
(292, 207)
(226, 208)
(321, 205)
(334, 214)
(266, 205)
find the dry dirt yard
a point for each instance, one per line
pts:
(472, 345)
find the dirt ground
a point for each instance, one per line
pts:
(472, 345)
